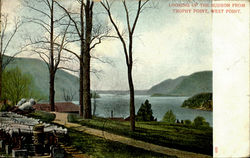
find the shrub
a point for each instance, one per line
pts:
(145, 112)
(4, 107)
(73, 118)
(169, 117)
(200, 121)
(17, 85)
(187, 122)
(43, 116)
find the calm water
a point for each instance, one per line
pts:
(160, 105)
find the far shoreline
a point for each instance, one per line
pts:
(199, 108)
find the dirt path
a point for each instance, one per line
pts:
(61, 118)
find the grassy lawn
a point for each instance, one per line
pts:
(100, 147)
(179, 136)
(42, 115)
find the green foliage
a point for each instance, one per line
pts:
(169, 117)
(201, 101)
(17, 85)
(200, 121)
(187, 122)
(39, 71)
(4, 107)
(73, 118)
(43, 116)
(145, 112)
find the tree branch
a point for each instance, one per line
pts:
(107, 8)
(70, 17)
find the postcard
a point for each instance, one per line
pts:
(124, 78)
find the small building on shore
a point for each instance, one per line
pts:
(65, 107)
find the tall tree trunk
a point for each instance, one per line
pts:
(81, 88)
(52, 67)
(86, 61)
(1, 74)
(81, 60)
(86, 87)
(52, 92)
(132, 98)
(94, 102)
(1, 57)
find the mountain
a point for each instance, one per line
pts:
(39, 71)
(195, 83)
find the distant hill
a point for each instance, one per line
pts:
(195, 83)
(122, 92)
(39, 71)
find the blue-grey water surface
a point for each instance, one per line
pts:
(160, 105)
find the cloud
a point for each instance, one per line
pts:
(162, 49)
(11, 7)
(173, 50)
(166, 45)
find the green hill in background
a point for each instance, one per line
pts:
(195, 83)
(40, 73)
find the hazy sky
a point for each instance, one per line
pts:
(166, 45)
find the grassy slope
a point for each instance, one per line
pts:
(177, 136)
(100, 147)
(39, 71)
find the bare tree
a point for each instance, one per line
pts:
(6, 38)
(94, 96)
(127, 45)
(48, 48)
(68, 95)
(88, 35)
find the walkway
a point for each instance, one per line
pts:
(61, 118)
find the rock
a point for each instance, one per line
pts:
(23, 100)
(32, 101)
(27, 105)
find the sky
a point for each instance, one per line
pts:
(166, 45)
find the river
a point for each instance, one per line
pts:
(160, 105)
